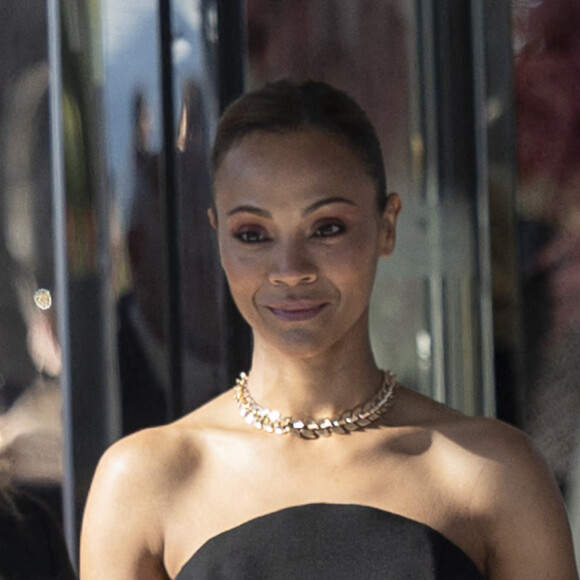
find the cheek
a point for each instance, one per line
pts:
(357, 259)
(239, 271)
(354, 271)
(234, 269)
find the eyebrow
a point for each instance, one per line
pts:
(250, 209)
(326, 201)
(310, 209)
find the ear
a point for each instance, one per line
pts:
(389, 224)
(212, 216)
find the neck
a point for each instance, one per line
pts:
(313, 387)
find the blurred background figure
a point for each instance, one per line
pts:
(547, 85)
(30, 358)
(143, 369)
(31, 442)
(147, 389)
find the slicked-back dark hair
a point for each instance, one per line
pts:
(286, 106)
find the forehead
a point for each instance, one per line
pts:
(301, 157)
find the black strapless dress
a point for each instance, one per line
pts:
(330, 542)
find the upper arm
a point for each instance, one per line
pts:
(121, 532)
(528, 532)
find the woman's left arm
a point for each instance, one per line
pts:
(528, 535)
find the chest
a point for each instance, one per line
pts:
(237, 485)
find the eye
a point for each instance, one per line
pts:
(251, 236)
(329, 229)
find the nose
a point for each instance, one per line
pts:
(292, 265)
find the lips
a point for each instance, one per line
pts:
(296, 310)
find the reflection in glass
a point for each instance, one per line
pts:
(133, 137)
(202, 289)
(137, 161)
(546, 66)
(30, 363)
(31, 430)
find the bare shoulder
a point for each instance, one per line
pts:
(134, 485)
(480, 441)
(149, 455)
(510, 492)
(498, 461)
(159, 457)
(523, 511)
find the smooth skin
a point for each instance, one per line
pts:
(300, 235)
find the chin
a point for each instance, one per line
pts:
(302, 343)
(310, 340)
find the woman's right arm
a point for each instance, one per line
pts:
(122, 534)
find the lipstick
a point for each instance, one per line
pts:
(296, 310)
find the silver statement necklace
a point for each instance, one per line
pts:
(273, 422)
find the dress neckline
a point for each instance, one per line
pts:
(323, 507)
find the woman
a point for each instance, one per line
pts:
(406, 489)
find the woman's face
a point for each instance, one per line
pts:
(300, 234)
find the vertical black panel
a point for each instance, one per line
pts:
(455, 110)
(232, 68)
(169, 215)
(232, 49)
